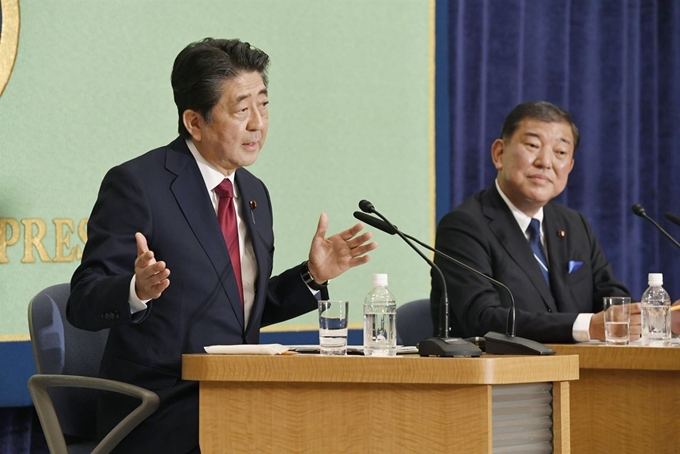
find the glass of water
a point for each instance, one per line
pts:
(617, 320)
(333, 327)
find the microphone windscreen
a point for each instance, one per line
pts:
(638, 210)
(673, 218)
(366, 206)
(374, 222)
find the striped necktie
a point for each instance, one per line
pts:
(534, 231)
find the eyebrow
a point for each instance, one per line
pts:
(533, 134)
(242, 97)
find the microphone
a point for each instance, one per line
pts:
(443, 345)
(378, 224)
(671, 217)
(495, 343)
(367, 207)
(639, 211)
(392, 229)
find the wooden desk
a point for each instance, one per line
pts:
(627, 399)
(311, 403)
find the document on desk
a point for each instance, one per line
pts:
(351, 349)
(247, 349)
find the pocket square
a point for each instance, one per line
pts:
(574, 265)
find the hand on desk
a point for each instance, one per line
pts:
(675, 319)
(635, 329)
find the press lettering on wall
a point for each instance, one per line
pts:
(58, 242)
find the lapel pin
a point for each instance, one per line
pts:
(253, 205)
(561, 233)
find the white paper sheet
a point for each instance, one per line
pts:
(247, 349)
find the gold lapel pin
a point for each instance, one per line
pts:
(561, 233)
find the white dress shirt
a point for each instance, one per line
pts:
(581, 328)
(212, 177)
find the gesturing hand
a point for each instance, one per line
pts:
(332, 256)
(151, 277)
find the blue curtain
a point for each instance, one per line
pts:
(614, 65)
(20, 432)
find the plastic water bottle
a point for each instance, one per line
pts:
(656, 313)
(380, 318)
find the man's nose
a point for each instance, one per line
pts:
(256, 121)
(544, 158)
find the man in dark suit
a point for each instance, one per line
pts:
(558, 281)
(159, 212)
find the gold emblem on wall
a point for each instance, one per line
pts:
(9, 39)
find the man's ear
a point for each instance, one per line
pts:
(497, 149)
(193, 122)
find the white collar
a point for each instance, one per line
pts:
(211, 176)
(522, 219)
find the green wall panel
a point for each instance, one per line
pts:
(349, 119)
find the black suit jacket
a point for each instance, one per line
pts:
(162, 194)
(483, 233)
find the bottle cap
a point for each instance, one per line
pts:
(380, 280)
(655, 279)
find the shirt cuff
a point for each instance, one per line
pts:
(314, 292)
(136, 305)
(581, 329)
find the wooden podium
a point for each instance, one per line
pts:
(354, 404)
(627, 399)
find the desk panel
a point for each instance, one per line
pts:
(355, 404)
(627, 399)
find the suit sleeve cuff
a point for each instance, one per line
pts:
(581, 329)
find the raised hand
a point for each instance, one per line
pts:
(151, 276)
(332, 256)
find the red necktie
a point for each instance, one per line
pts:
(226, 214)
